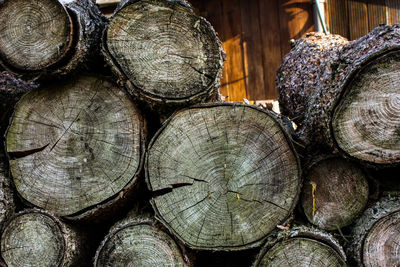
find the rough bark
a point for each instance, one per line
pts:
(7, 201)
(139, 240)
(345, 95)
(163, 53)
(76, 146)
(301, 246)
(50, 37)
(375, 236)
(335, 193)
(223, 176)
(37, 238)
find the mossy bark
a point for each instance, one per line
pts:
(139, 240)
(301, 246)
(345, 95)
(375, 236)
(50, 38)
(223, 176)
(163, 53)
(335, 192)
(76, 147)
(37, 238)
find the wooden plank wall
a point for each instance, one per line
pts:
(355, 18)
(255, 36)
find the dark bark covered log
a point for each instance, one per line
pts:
(139, 240)
(11, 90)
(37, 238)
(76, 146)
(301, 246)
(335, 193)
(164, 53)
(49, 37)
(346, 95)
(7, 201)
(376, 235)
(223, 176)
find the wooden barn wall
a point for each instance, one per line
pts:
(255, 35)
(355, 18)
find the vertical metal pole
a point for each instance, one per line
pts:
(319, 16)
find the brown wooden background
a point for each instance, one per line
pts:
(355, 18)
(255, 35)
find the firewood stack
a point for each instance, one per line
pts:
(89, 176)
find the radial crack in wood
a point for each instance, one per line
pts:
(334, 194)
(165, 51)
(240, 173)
(34, 34)
(75, 144)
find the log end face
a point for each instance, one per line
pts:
(335, 193)
(80, 142)
(34, 35)
(32, 239)
(139, 245)
(166, 51)
(224, 176)
(366, 121)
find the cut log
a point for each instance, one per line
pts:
(48, 37)
(335, 193)
(140, 241)
(301, 246)
(37, 238)
(223, 176)
(163, 52)
(376, 235)
(346, 95)
(75, 146)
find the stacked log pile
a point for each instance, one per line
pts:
(89, 177)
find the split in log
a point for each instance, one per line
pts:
(301, 246)
(335, 193)
(48, 37)
(345, 95)
(139, 241)
(75, 146)
(376, 235)
(38, 238)
(164, 52)
(223, 176)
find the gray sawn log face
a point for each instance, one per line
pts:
(163, 52)
(76, 146)
(223, 176)
(37, 238)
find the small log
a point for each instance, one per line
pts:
(163, 52)
(37, 238)
(139, 240)
(335, 193)
(76, 146)
(49, 37)
(376, 235)
(345, 95)
(301, 246)
(223, 176)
